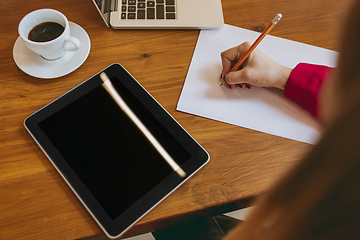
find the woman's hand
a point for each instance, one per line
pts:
(258, 70)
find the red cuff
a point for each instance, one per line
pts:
(304, 84)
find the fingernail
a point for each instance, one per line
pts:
(239, 85)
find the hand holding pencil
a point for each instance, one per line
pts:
(255, 67)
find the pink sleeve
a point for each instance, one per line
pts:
(304, 84)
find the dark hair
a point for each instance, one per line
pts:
(320, 198)
(348, 69)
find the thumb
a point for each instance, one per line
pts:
(238, 77)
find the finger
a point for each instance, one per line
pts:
(241, 85)
(232, 55)
(239, 77)
(227, 59)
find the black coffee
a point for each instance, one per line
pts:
(45, 31)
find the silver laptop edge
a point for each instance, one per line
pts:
(110, 12)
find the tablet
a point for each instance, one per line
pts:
(112, 167)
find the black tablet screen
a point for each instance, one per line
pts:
(106, 149)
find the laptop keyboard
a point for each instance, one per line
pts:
(148, 9)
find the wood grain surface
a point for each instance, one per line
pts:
(35, 203)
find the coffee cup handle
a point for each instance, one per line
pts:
(72, 44)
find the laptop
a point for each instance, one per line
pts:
(158, 14)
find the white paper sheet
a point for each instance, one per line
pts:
(260, 109)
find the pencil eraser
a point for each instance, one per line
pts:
(277, 18)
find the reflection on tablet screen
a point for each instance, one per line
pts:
(107, 151)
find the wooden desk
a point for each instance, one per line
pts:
(35, 203)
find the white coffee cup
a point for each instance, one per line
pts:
(52, 49)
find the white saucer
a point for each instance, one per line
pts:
(34, 65)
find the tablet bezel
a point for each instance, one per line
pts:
(116, 228)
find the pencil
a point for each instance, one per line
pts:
(256, 43)
(122, 104)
